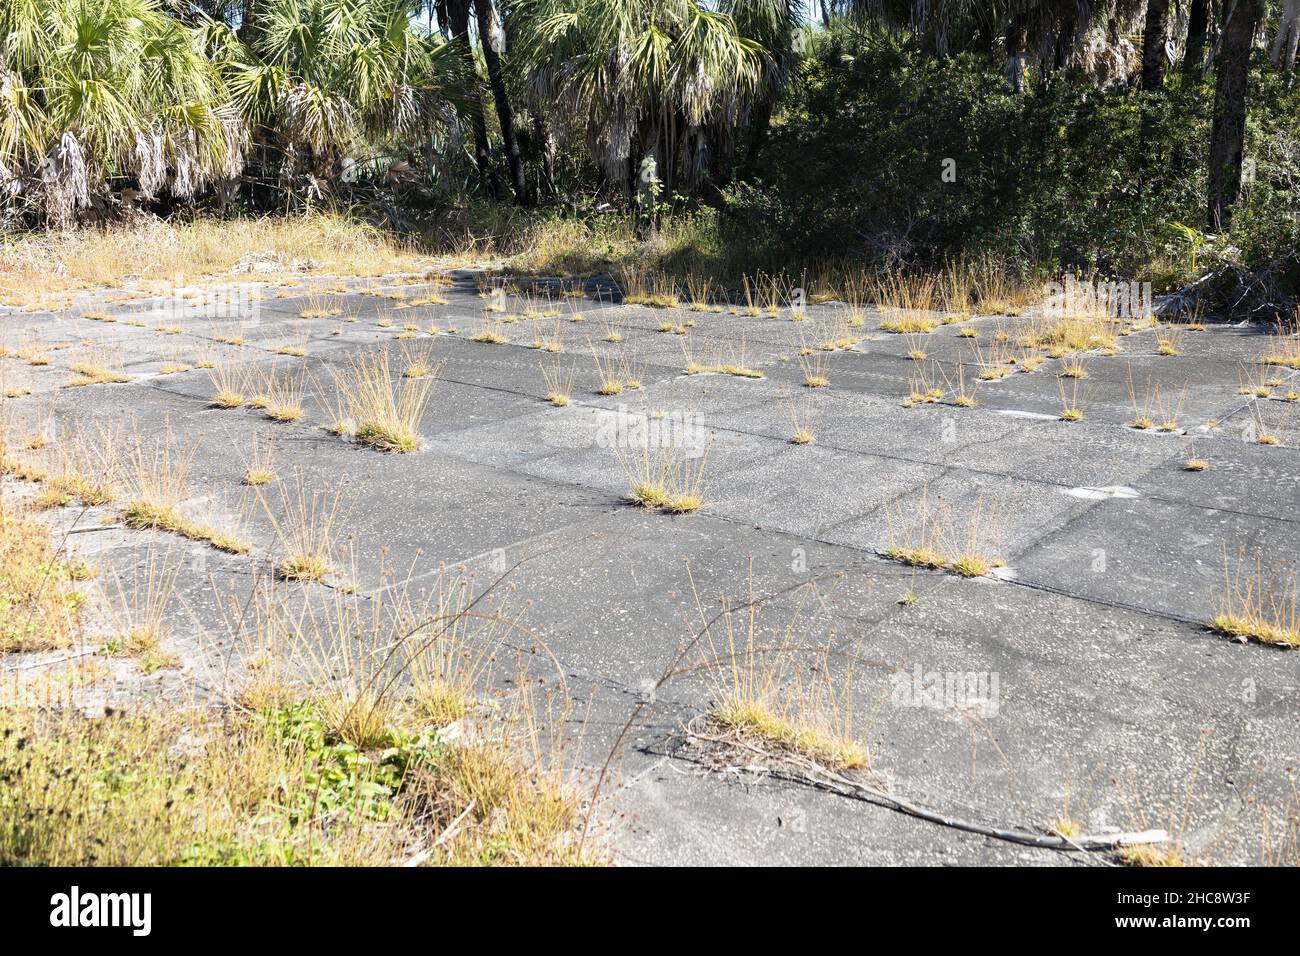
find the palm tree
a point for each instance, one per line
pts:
(321, 77)
(1198, 25)
(100, 93)
(773, 24)
(658, 78)
(1048, 34)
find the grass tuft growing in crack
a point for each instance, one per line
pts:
(1257, 604)
(668, 478)
(776, 689)
(157, 480)
(304, 529)
(933, 537)
(386, 408)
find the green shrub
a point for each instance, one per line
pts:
(1065, 175)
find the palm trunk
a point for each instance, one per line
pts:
(264, 154)
(1198, 24)
(760, 125)
(486, 14)
(458, 18)
(1228, 131)
(1066, 39)
(1153, 44)
(1017, 42)
(545, 145)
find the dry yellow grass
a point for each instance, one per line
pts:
(776, 690)
(933, 537)
(304, 527)
(502, 783)
(908, 303)
(1061, 334)
(33, 268)
(283, 396)
(1257, 604)
(386, 407)
(41, 605)
(336, 766)
(923, 387)
(558, 382)
(609, 374)
(99, 366)
(83, 470)
(268, 788)
(816, 366)
(1284, 348)
(803, 415)
(668, 478)
(418, 361)
(724, 359)
(642, 287)
(229, 385)
(158, 487)
(994, 286)
(139, 609)
(1074, 403)
(1148, 856)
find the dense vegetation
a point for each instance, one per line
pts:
(1113, 136)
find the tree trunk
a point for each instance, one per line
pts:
(1288, 37)
(490, 40)
(1066, 39)
(1017, 42)
(760, 126)
(458, 19)
(1154, 36)
(1198, 24)
(1228, 130)
(545, 145)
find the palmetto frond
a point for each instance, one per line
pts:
(92, 91)
(626, 64)
(23, 122)
(321, 74)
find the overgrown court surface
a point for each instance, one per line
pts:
(381, 570)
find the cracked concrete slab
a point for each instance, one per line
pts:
(1113, 703)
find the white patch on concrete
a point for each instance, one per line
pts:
(1019, 414)
(1099, 494)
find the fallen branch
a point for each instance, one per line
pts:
(820, 776)
(452, 829)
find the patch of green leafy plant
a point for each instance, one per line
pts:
(339, 778)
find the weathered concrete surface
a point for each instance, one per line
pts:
(1113, 700)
